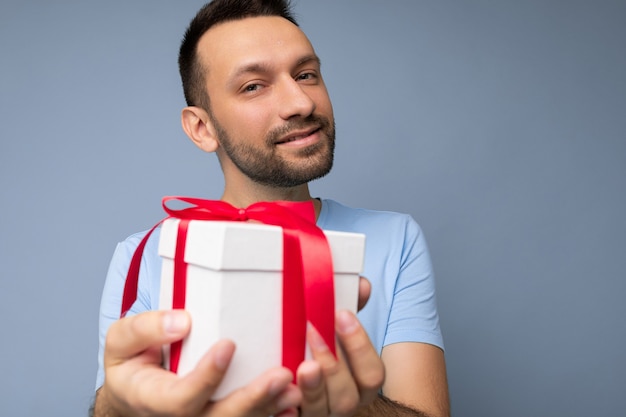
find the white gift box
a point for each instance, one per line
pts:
(234, 290)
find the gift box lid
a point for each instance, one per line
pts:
(226, 245)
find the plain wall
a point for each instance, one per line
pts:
(499, 125)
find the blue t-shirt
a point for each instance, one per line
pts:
(402, 306)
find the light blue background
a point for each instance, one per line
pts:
(499, 125)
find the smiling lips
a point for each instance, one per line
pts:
(300, 138)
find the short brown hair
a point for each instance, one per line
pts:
(218, 11)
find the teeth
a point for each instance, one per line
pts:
(295, 138)
(299, 137)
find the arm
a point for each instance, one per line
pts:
(414, 362)
(416, 383)
(417, 377)
(383, 406)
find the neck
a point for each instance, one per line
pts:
(245, 196)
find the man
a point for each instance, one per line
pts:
(257, 99)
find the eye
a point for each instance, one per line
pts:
(251, 88)
(306, 76)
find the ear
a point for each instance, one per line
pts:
(198, 127)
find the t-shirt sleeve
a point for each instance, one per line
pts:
(111, 302)
(413, 315)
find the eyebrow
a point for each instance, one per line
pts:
(265, 67)
(308, 58)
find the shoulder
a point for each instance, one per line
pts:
(132, 241)
(391, 235)
(337, 216)
(126, 248)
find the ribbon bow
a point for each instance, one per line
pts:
(308, 291)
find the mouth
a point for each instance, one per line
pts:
(299, 137)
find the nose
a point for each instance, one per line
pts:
(294, 100)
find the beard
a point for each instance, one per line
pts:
(262, 163)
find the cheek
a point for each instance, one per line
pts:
(324, 105)
(245, 121)
(255, 122)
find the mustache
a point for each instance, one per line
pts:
(311, 121)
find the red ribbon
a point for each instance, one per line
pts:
(308, 291)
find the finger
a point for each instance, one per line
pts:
(134, 376)
(132, 335)
(365, 289)
(270, 394)
(367, 367)
(159, 392)
(342, 392)
(196, 388)
(311, 383)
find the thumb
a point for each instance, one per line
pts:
(133, 335)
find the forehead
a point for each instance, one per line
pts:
(269, 39)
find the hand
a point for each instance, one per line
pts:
(365, 288)
(137, 385)
(339, 386)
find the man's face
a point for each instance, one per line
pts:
(269, 106)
